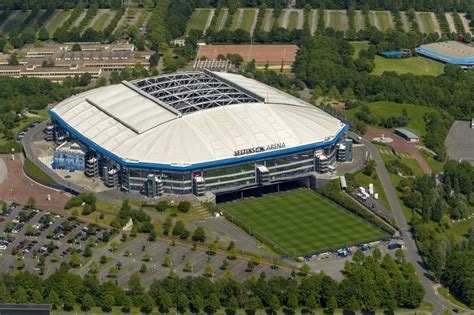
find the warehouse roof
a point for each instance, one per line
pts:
(146, 129)
(449, 51)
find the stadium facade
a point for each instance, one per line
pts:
(195, 132)
(449, 52)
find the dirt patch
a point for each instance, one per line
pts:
(399, 144)
(261, 53)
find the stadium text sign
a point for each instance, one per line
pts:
(260, 149)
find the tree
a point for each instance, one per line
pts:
(232, 304)
(107, 303)
(292, 301)
(199, 235)
(43, 34)
(212, 304)
(76, 47)
(184, 206)
(182, 303)
(31, 202)
(147, 304)
(87, 302)
(305, 269)
(75, 261)
(167, 261)
(13, 60)
(143, 268)
(69, 301)
(212, 248)
(54, 299)
(165, 303)
(188, 266)
(127, 305)
(253, 303)
(134, 284)
(209, 270)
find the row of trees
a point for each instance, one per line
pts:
(447, 253)
(370, 283)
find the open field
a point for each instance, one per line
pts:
(385, 109)
(415, 65)
(198, 20)
(301, 222)
(248, 18)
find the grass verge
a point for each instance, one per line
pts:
(36, 173)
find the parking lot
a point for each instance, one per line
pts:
(38, 241)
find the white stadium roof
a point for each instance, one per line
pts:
(191, 118)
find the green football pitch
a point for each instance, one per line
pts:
(301, 222)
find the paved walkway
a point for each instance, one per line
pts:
(399, 144)
(17, 187)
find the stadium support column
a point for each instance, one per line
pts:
(153, 186)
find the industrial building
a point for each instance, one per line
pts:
(196, 132)
(406, 134)
(449, 52)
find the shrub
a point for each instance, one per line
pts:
(184, 206)
(397, 166)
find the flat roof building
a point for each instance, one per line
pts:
(449, 52)
(25, 309)
(406, 134)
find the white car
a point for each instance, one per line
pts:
(3, 247)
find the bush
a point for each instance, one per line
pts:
(162, 205)
(184, 206)
(397, 166)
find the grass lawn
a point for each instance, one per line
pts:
(247, 19)
(384, 20)
(436, 166)
(365, 180)
(37, 173)
(198, 20)
(234, 18)
(336, 20)
(385, 109)
(444, 292)
(293, 20)
(301, 222)
(219, 20)
(425, 18)
(100, 23)
(372, 18)
(267, 13)
(416, 65)
(358, 46)
(15, 22)
(56, 21)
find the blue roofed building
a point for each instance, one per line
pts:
(449, 52)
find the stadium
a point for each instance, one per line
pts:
(449, 52)
(193, 133)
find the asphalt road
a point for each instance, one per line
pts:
(412, 253)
